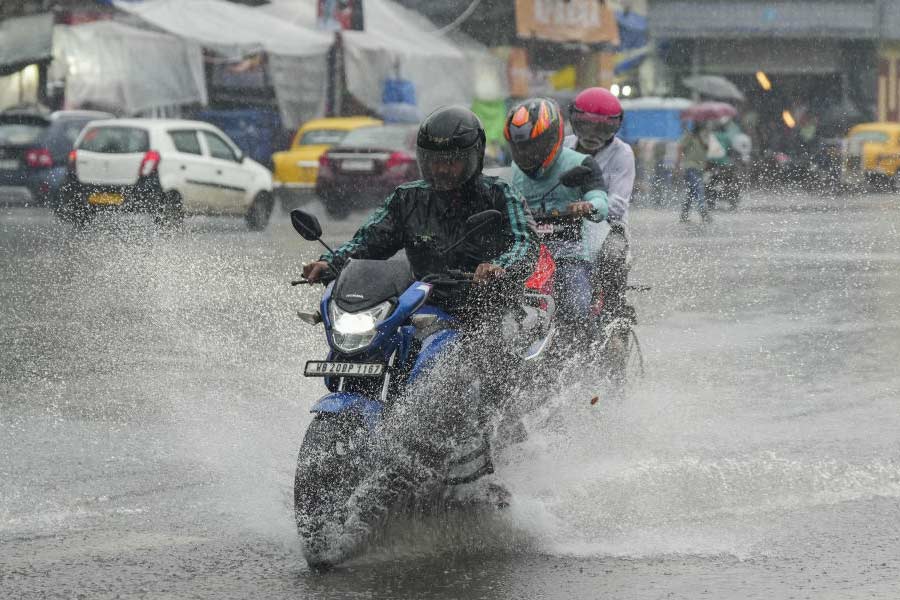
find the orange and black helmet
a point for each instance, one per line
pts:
(534, 129)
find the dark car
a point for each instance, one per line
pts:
(366, 166)
(34, 149)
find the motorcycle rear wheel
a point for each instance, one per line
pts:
(330, 466)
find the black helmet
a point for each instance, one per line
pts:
(450, 147)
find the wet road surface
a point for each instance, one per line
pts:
(152, 404)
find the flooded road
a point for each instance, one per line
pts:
(152, 404)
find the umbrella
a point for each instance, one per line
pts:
(713, 86)
(708, 111)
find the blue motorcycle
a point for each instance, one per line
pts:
(384, 337)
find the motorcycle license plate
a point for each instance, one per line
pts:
(323, 368)
(545, 228)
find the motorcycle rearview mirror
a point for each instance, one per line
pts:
(483, 219)
(313, 318)
(307, 225)
(576, 176)
(475, 223)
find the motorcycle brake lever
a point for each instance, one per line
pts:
(323, 280)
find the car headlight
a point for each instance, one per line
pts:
(352, 331)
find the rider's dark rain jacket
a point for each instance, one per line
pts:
(423, 222)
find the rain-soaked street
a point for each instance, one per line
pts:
(152, 405)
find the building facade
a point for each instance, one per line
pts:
(825, 53)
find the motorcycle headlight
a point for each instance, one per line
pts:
(352, 331)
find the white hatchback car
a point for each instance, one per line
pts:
(168, 168)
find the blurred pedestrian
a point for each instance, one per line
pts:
(693, 149)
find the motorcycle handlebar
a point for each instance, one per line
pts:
(450, 277)
(324, 279)
(566, 216)
(560, 216)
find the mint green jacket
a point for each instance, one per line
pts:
(532, 189)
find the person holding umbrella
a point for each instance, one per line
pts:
(699, 147)
(692, 151)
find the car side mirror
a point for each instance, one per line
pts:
(306, 225)
(576, 176)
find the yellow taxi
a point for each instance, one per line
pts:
(873, 154)
(297, 167)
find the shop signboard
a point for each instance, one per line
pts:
(519, 73)
(586, 21)
(335, 15)
(889, 83)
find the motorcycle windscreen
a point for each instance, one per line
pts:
(366, 283)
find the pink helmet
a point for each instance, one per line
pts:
(596, 116)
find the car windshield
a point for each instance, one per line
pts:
(399, 137)
(115, 140)
(20, 133)
(878, 137)
(326, 137)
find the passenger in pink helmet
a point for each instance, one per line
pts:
(596, 115)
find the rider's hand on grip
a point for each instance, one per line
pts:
(488, 271)
(581, 209)
(313, 270)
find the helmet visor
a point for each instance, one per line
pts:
(530, 155)
(595, 129)
(447, 170)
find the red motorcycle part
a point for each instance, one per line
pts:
(541, 279)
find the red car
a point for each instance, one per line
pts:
(367, 165)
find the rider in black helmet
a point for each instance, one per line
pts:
(450, 148)
(424, 217)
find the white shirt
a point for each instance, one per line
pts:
(617, 163)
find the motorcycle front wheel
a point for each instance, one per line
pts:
(330, 466)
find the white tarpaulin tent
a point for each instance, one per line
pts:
(297, 55)
(398, 41)
(25, 40)
(113, 65)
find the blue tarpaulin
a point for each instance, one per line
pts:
(399, 102)
(632, 30)
(653, 118)
(633, 41)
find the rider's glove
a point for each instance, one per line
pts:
(313, 270)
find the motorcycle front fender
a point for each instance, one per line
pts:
(339, 402)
